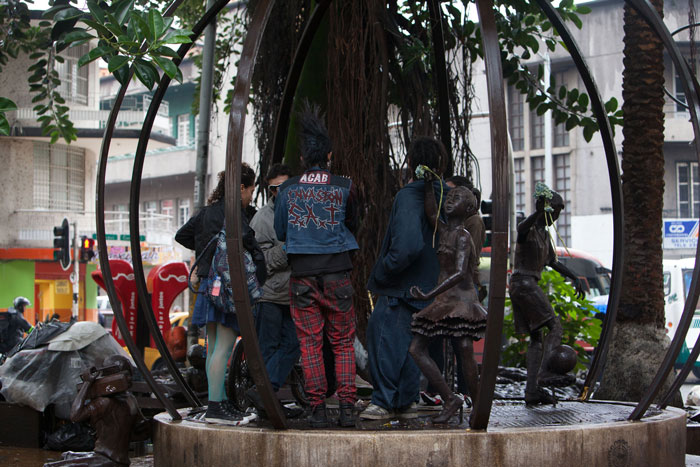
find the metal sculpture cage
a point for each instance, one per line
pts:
(499, 154)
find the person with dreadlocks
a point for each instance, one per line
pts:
(407, 258)
(315, 216)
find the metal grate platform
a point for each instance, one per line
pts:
(504, 415)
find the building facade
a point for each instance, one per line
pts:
(546, 152)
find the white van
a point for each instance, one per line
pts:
(677, 276)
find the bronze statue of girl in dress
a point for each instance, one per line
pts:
(456, 312)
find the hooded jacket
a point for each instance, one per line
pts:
(407, 256)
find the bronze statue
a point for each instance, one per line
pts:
(456, 311)
(531, 309)
(105, 401)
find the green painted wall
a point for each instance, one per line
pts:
(17, 279)
(90, 287)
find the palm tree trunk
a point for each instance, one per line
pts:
(639, 339)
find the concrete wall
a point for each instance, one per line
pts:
(20, 224)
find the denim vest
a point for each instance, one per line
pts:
(310, 214)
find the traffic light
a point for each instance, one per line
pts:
(87, 251)
(61, 243)
(486, 209)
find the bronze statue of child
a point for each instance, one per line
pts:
(531, 309)
(456, 312)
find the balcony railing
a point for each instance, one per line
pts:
(85, 118)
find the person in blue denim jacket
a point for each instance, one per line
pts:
(407, 258)
(314, 216)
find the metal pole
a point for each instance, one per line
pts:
(205, 98)
(75, 275)
(548, 165)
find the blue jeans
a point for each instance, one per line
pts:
(395, 376)
(278, 341)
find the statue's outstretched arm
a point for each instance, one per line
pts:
(461, 261)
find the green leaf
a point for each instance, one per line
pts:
(571, 122)
(67, 14)
(117, 62)
(583, 100)
(155, 24)
(4, 125)
(122, 75)
(583, 9)
(577, 21)
(177, 36)
(93, 55)
(167, 52)
(611, 105)
(167, 66)
(96, 11)
(77, 35)
(146, 73)
(178, 76)
(99, 27)
(121, 10)
(7, 105)
(588, 132)
(143, 31)
(113, 25)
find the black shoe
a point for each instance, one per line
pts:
(318, 417)
(347, 415)
(218, 413)
(228, 405)
(292, 412)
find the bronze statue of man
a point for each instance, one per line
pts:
(531, 309)
(105, 402)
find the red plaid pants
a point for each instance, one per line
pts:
(321, 303)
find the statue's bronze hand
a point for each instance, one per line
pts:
(417, 293)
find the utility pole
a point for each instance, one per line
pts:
(205, 98)
(75, 275)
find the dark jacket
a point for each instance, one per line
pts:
(196, 233)
(314, 214)
(407, 256)
(198, 230)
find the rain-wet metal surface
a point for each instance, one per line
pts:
(504, 415)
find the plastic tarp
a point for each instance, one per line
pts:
(39, 377)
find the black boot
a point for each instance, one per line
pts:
(318, 417)
(347, 416)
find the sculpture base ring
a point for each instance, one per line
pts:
(572, 433)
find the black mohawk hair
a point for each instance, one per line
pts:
(314, 142)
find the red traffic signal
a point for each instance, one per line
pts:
(87, 249)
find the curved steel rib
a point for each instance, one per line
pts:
(134, 203)
(647, 11)
(234, 150)
(290, 86)
(102, 244)
(442, 81)
(615, 190)
(499, 250)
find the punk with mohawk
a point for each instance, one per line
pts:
(314, 141)
(315, 217)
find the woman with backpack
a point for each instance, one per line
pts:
(222, 327)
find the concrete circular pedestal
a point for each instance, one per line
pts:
(570, 434)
